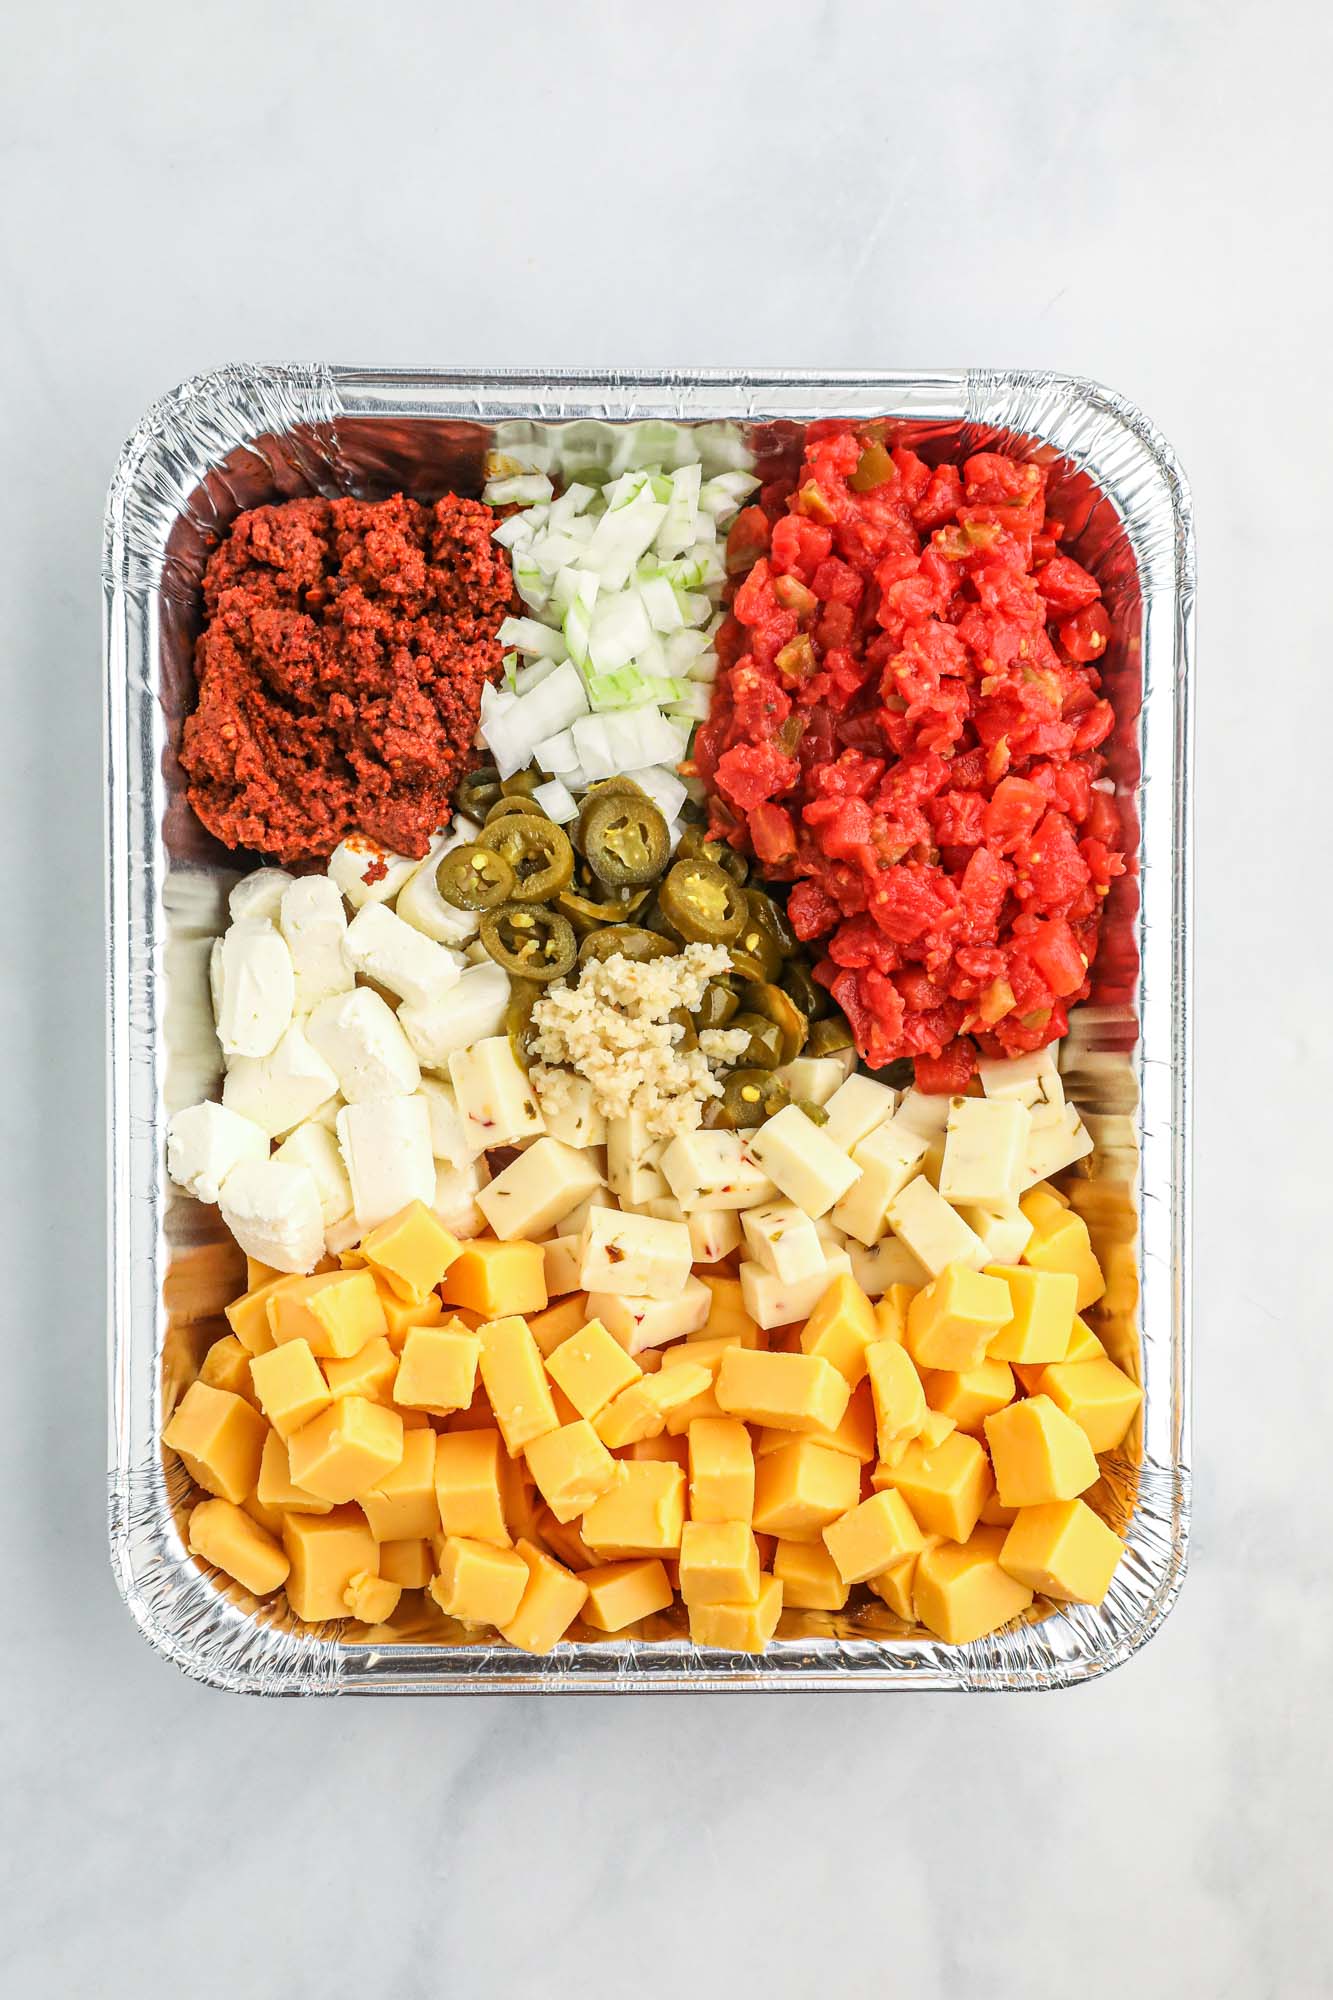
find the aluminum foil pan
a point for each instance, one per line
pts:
(247, 435)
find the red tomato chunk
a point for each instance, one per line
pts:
(906, 729)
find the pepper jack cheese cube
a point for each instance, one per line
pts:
(572, 1468)
(1039, 1454)
(889, 1157)
(620, 1594)
(498, 1104)
(632, 1156)
(530, 1195)
(1041, 1317)
(641, 1324)
(1063, 1244)
(895, 1387)
(970, 1395)
(325, 1551)
(985, 1148)
(888, 1265)
(1100, 1398)
(803, 1486)
(353, 1445)
(800, 1160)
(438, 1369)
(641, 1513)
(714, 1234)
(402, 1507)
(226, 1537)
(409, 1564)
(644, 1409)
(551, 1601)
(945, 1488)
(410, 1252)
(794, 1392)
(719, 1563)
(721, 1461)
(515, 1381)
(591, 1368)
(577, 1122)
(1004, 1230)
(813, 1079)
(386, 1148)
(856, 1109)
(334, 1312)
(372, 1599)
(784, 1240)
(477, 1582)
(561, 1259)
(220, 1441)
(496, 1279)
(1059, 1137)
(714, 1170)
(961, 1593)
(1032, 1079)
(841, 1327)
(634, 1254)
(772, 1301)
(953, 1322)
(870, 1536)
(290, 1386)
(276, 1490)
(739, 1628)
(934, 1233)
(1063, 1550)
(468, 1486)
(809, 1577)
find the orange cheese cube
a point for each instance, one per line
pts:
(891, 1312)
(224, 1535)
(648, 1405)
(1083, 1346)
(935, 1429)
(1041, 1201)
(550, 1329)
(855, 1434)
(641, 1513)
(739, 1628)
(1038, 1453)
(227, 1366)
(970, 1395)
(893, 1586)
(592, 1368)
(220, 1440)
(551, 1602)
(468, 1488)
(334, 1312)
(721, 1460)
(398, 1316)
(515, 1380)
(1062, 1243)
(792, 1392)
(562, 1539)
(438, 1369)
(727, 1317)
(962, 1593)
(1063, 1550)
(809, 1577)
(248, 1315)
(663, 1449)
(719, 1563)
(478, 1583)
(353, 1445)
(410, 1252)
(497, 1279)
(1042, 1317)
(870, 1536)
(841, 1327)
(944, 1488)
(409, 1564)
(257, 1273)
(276, 1490)
(896, 1392)
(1101, 1398)
(371, 1598)
(994, 1514)
(951, 1322)
(372, 1371)
(620, 1594)
(290, 1386)
(402, 1506)
(325, 1551)
(572, 1468)
(803, 1486)
(268, 1518)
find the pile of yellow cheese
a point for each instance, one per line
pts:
(421, 1417)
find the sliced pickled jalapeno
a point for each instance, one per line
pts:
(523, 997)
(538, 852)
(749, 1097)
(522, 785)
(696, 846)
(829, 1037)
(702, 903)
(625, 840)
(770, 1002)
(688, 1039)
(530, 942)
(716, 1006)
(478, 792)
(626, 939)
(796, 980)
(763, 1050)
(475, 878)
(508, 808)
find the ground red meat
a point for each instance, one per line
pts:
(340, 671)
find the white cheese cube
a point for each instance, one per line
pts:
(926, 1112)
(205, 1142)
(1033, 1079)
(530, 1195)
(855, 1109)
(256, 988)
(985, 1143)
(358, 857)
(813, 1079)
(390, 952)
(1058, 1138)
(215, 978)
(259, 895)
(774, 1301)
(935, 1233)
(455, 1200)
(634, 1254)
(666, 1208)
(714, 1234)
(889, 1263)
(889, 1156)
(314, 1147)
(562, 1256)
(327, 1115)
(448, 1138)
(272, 1209)
(633, 1160)
(419, 901)
(282, 1089)
(314, 923)
(498, 1104)
(570, 1111)
(344, 1235)
(716, 1170)
(828, 1232)
(784, 1240)
(574, 1223)
(1005, 1232)
(360, 1039)
(800, 1160)
(641, 1322)
(385, 1145)
(470, 1012)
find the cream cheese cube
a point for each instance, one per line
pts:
(448, 1137)
(358, 856)
(926, 1112)
(572, 1115)
(531, 1194)
(935, 1233)
(390, 952)
(800, 1160)
(259, 895)
(360, 1039)
(562, 1256)
(470, 1012)
(855, 1109)
(813, 1079)
(385, 1145)
(634, 1254)
(272, 1209)
(714, 1234)
(717, 1170)
(774, 1301)
(633, 1160)
(889, 1263)
(314, 923)
(638, 1323)
(455, 1199)
(1006, 1232)
(1033, 1080)
(256, 988)
(1058, 1137)
(281, 1089)
(783, 1239)
(889, 1156)
(419, 901)
(985, 1142)
(314, 1147)
(498, 1104)
(205, 1142)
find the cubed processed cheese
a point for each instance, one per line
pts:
(985, 1150)
(325, 1551)
(591, 1367)
(353, 1445)
(640, 1324)
(784, 1240)
(1101, 1398)
(469, 1487)
(220, 1440)
(620, 1594)
(773, 1301)
(721, 1462)
(496, 1279)
(276, 1490)
(809, 1577)
(372, 1371)
(935, 1233)
(645, 1408)
(898, 1397)
(739, 1628)
(945, 1488)
(572, 1468)
(961, 1593)
(225, 1536)
(635, 1254)
(402, 1507)
(515, 1380)
(719, 1563)
(227, 1366)
(409, 1564)
(954, 1319)
(334, 1312)
(871, 1535)
(641, 1514)
(410, 1252)
(478, 1583)
(399, 1317)
(800, 1160)
(372, 1599)
(855, 1433)
(438, 1369)
(248, 1316)
(1062, 1243)
(1041, 1316)
(290, 1386)
(551, 1601)
(551, 1328)
(1039, 1454)
(498, 1104)
(727, 1313)
(714, 1170)
(970, 1395)
(529, 1196)
(803, 1487)
(795, 1392)
(1063, 1550)
(841, 1327)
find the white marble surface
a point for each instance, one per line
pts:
(1137, 192)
